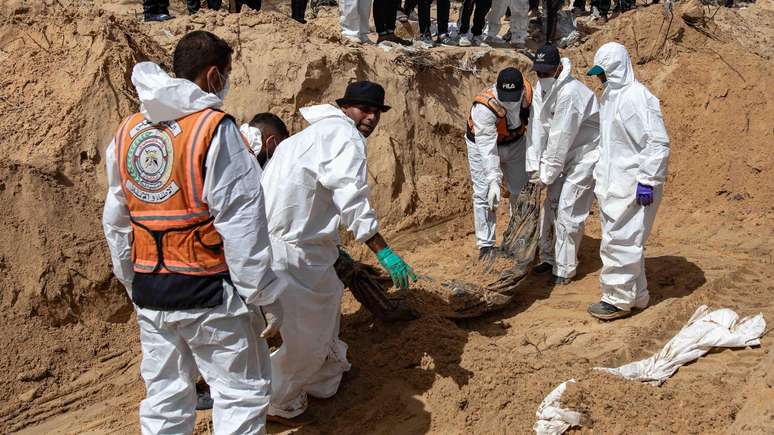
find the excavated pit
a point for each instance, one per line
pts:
(71, 360)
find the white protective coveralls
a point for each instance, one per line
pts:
(634, 148)
(489, 162)
(519, 19)
(563, 150)
(353, 17)
(314, 182)
(222, 342)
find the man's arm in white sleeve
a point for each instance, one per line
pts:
(536, 137)
(655, 154)
(564, 128)
(346, 176)
(116, 223)
(232, 190)
(485, 128)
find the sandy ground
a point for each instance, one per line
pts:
(71, 360)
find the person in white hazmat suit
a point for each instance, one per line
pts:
(263, 134)
(496, 144)
(519, 22)
(562, 153)
(316, 181)
(184, 221)
(630, 175)
(353, 18)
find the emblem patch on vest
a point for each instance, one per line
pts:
(149, 164)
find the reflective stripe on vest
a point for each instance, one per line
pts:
(504, 136)
(161, 170)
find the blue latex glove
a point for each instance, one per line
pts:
(400, 272)
(644, 195)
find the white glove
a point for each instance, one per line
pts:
(272, 314)
(493, 195)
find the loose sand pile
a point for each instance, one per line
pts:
(71, 355)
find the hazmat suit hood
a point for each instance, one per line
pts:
(165, 98)
(253, 136)
(564, 77)
(614, 60)
(317, 113)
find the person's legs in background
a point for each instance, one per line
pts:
(494, 18)
(479, 17)
(603, 8)
(443, 8)
(385, 12)
(298, 10)
(519, 22)
(424, 18)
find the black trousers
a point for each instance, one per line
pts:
(409, 6)
(155, 7)
(443, 16)
(194, 5)
(552, 13)
(603, 6)
(479, 16)
(385, 12)
(298, 9)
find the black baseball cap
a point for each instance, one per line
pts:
(546, 59)
(510, 85)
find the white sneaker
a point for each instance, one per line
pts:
(465, 41)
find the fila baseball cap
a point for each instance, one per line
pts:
(510, 85)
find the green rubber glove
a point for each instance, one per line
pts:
(400, 272)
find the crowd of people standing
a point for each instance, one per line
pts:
(478, 24)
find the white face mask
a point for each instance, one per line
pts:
(224, 90)
(513, 108)
(546, 84)
(222, 93)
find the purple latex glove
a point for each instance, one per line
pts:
(644, 195)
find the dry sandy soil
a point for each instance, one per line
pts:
(70, 359)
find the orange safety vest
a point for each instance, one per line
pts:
(162, 176)
(504, 135)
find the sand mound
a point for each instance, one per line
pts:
(62, 99)
(712, 243)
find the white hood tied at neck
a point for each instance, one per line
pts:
(616, 64)
(165, 98)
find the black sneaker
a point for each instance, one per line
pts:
(605, 311)
(203, 398)
(156, 18)
(543, 268)
(560, 280)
